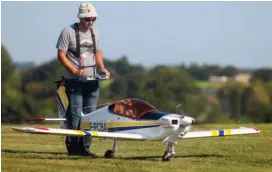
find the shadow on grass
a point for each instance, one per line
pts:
(33, 152)
(39, 155)
(154, 158)
(64, 156)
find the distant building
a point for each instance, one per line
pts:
(240, 77)
(243, 77)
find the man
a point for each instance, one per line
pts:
(79, 53)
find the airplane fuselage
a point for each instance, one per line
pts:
(157, 129)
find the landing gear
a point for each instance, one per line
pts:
(170, 151)
(166, 156)
(110, 153)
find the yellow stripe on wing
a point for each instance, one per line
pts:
(81, 133)
(227, 132)
(214, 132)
(93, 133)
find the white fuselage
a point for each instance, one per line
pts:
(103, 120)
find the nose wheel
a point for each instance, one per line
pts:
(170, 152)
(166, 156)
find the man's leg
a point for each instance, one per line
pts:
(74, 92)
(90, 98)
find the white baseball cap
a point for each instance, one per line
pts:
(86, 9)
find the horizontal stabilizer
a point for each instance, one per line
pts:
(48, 119)
(220, 132)
(69, 132)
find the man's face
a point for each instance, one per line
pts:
(88, 22)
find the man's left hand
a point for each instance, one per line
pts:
(107, 73)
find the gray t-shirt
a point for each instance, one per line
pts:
(67, 40)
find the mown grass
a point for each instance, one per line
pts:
(28, 152)
(208, 84)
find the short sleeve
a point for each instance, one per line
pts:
(63, 41)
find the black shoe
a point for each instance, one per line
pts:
(88, 153)
(85, 153)
(73, 154)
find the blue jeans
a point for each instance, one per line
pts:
(82, 97)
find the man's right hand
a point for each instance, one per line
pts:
(82, 73)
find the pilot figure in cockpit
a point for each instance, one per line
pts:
(129, 110)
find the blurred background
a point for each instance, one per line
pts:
(213, 58)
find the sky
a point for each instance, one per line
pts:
(148, 33)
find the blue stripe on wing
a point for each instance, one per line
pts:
(221, 132)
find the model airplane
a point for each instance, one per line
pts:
(132, 119)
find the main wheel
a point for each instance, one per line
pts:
(166, 156)
(109, 154)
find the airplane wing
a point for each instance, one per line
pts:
(46, 119)
(69, 132)
(221, 132)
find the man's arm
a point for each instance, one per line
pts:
(62, 46)
(67, 64)
(100, 62)
(99, 59)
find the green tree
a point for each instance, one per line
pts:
(268, 88)
(12, 109)
(11, 103)
(231, 96)
(7, 67)
(167, 87)
(263, 74)
(258, 103)
(229, 71)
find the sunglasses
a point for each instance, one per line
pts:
(90, 19)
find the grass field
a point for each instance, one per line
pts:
(28, 152)
(208, 84)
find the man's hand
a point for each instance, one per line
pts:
(100, 63)
(82, 73)
(106, 72)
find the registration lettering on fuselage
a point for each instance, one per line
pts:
(98, 126)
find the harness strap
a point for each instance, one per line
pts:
(77, 40)
(94, 43)
(77, 52)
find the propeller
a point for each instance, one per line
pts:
(182, 113)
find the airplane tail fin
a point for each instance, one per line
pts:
(62, 102)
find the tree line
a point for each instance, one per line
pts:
(31, 92)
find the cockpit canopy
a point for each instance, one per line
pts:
(133, 108)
